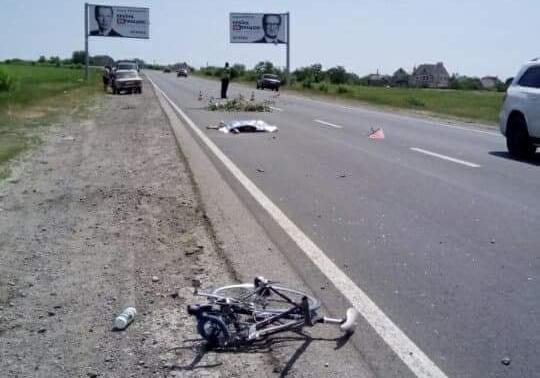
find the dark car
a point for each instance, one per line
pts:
(268, 81)
(126, 80)
(182, 72)
(167, 69)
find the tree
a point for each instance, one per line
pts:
(42, 59)
(337, 75)
(78, 57)
(54, 60)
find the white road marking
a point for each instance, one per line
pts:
(399, 116)
(274, 108)
(414, 358)
(327, 124)
(468, 164)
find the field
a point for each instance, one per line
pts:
(37, 96)
(479, 106)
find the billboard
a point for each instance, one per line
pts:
(113, 21)
(258, 28)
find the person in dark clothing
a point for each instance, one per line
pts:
(106, 77)
(225, 77)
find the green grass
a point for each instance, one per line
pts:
(480, 106)
(39, 95)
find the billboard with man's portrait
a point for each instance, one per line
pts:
(258, 27)
(114, 21)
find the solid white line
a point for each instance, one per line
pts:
(327, 123)
(468, 164)
(416, 360)
(274, 108)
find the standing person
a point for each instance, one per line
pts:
(106, 77)
(225, 77)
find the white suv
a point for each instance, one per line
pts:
(520, 114)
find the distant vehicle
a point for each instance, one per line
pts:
(167, 69)
(182, 72)
(123, 65)
(520, 114)
(126, 80)
(268, 81)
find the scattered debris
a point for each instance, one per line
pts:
(200, 96)
(249, 126)
(376, 133)
(155, 278)
(260, 170)
(252, 98)
(68, 138)
(239, 104)
(506, 361)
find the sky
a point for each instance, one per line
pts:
(471, 37)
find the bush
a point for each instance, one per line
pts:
(307, 84)
(342, 89)
(323, 87)
(413, 101)
(6, 82)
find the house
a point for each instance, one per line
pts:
(400, 78)
(489, 82)
(430, 76)
(377, 80)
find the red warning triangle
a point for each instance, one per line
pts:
(376, 134)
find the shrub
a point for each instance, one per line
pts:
(307, 84)
(6, 82)
(323, 87)
(413, 101)
(342, 89)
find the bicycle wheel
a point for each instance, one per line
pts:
(271, 302)
(213, 330)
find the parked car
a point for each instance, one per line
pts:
(123, 65)
(520, 114)
(182, 72)
(126, 80)
(268, 81)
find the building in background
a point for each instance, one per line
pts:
(430, 76)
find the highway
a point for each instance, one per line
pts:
(434, 222)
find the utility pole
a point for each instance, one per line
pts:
(288, 47)
(86, 58)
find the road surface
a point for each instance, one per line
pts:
(434, 222)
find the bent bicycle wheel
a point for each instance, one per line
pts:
(272, 302)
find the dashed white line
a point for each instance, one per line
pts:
(327, 124)
(444, 157)
(413, 357)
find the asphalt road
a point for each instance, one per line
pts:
(434, 222)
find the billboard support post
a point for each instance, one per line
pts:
(86, 58)
(288, 47)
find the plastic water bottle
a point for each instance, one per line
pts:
(126, 317)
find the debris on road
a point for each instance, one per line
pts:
(240, 104)
(125, 318)
(506, 361)
(376, 133)
(249, 126)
